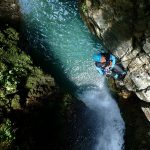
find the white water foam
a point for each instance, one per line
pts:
(110, 126)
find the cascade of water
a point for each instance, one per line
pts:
(109, 124)
(55, 27)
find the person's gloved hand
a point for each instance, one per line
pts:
(107, 70)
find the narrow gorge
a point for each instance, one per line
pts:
(57, 99)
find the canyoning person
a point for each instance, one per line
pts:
(106, 65)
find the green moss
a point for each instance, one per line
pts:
(15, 103)
(12, 34)
(84, 8)
(34, 78)
(6, 134)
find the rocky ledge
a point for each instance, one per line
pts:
(124, 28)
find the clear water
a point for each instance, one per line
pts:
(55, 27)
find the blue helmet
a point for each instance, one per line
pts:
(97, 57)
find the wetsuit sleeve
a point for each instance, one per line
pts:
(113, 60)
(101, 71)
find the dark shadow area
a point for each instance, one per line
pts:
(136, 123)
(10, 13)
(82, 129)
(41, 126)
(119, 32)
(121, 29)
(44, 126)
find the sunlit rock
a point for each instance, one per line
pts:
(125, 31)
(146, 111)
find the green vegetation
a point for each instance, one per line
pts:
(15, 66)
(26, 90)
(6, 131)
(6, 134)
(84, 8)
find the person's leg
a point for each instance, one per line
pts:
(118, 69)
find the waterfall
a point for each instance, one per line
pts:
(55, 29)
(109, 123)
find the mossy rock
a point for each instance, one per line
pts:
(15, 103)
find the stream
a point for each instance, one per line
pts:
(56, 30)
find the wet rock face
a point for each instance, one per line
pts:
(124, 27)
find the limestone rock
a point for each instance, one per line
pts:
(129, 57)
(146, 110)
(124, 28)
(122, 33)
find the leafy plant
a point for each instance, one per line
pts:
(84, 8)
(15, 66)
(6, 131)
